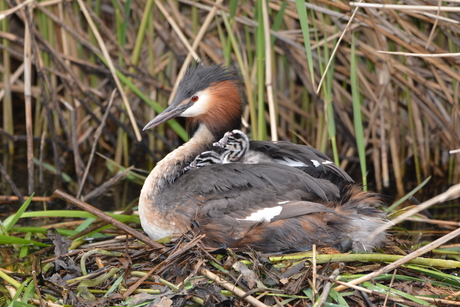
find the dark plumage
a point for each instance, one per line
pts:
(292, 197)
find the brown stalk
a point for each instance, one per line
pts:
(95, 142)
(13, 187)
(111, 66)
(28, 101)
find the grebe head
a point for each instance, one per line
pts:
(209, 95)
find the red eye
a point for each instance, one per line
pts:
(194, 98)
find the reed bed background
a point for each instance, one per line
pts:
(377, 88)
(390, 119)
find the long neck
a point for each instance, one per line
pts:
(172, 166)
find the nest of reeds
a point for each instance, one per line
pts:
(121, 271)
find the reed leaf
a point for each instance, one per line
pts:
(357, 117)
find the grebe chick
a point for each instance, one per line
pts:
(235, 148)
(204, 159)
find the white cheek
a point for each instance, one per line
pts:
(200, 107)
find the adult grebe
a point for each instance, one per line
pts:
(299, 199)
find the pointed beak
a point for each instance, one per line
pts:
(170, 112)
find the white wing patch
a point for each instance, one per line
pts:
(296, 163)
(291, 162)
(264, 215)
(316, 163)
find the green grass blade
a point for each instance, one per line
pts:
(74, 214)
(115, 285)
(20, 289)
(24, 251)
(12, 220)
(84, 225)
(309, 293)
(9, 279)
(403, 199)
(118, 23)
(327, 89)
(226, 40)
(338, 298)
(53, 170)
(278, 21)
(141, 32)
(446, 278)
(13, 240)
(113, 167)
(357, 117)
(302, 11)
(384, 289)
(124, 26)
(19, 304)
(64, 232)
(29, 292)
(226, 44)
(260, 49)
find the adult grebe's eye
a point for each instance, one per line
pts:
(194, 98)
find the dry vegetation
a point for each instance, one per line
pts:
(393, 117)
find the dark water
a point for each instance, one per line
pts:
(115, 198)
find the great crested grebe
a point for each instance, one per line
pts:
(299, 199)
